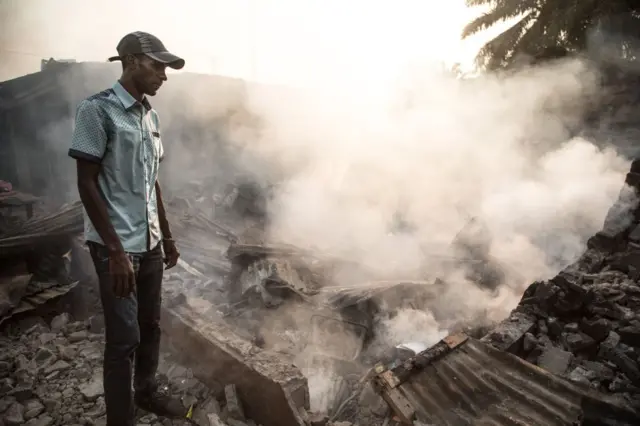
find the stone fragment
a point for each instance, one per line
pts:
(44, 356)
(555, 360)
(92, 390)
(546, 292)
(96, 324)
(67, 353)
(5, 403)
(33, 408)
(597, 329)
(610, 351)
(572, 327)
(630, 334)
(78, 336)
(620, 217)
(57, 367)
(620, 384)
(202, 411)
(14, 415)
(214, 420)
(509, 334)
(76, 326)
(52, 404)
(635, 234)
(627, 262)
(555, 327)
(23, 391)
(99, 409)
(47, 337)
(600, 371)
(529, 342)
(6, 385)
(234, 406)
(575, 342)
(5, 369)
(542, 327)
(60, 322)
(612, 340)
(44, 420)
(580, 375)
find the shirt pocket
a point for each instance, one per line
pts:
(127, 152)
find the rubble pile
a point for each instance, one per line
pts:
(35, 260)
(52, 375)
(584, 323)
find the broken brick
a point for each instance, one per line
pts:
(630, 335)
(555, 360)
(577, 342)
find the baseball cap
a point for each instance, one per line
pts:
(144, 43)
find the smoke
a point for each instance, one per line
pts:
(438, 150)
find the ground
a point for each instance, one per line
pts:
(51, 374)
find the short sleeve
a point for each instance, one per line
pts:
(89, 140)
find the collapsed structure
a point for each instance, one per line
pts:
(230, 298)
(275, 342)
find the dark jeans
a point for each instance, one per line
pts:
(132, 328)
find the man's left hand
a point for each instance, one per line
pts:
(171, 253)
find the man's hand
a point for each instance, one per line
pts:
(121, 271)
(171, 253)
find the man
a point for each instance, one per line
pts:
(118, 148)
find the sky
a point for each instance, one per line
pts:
(293, 42)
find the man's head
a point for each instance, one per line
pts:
(144, 61)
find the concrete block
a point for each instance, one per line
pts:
(272, 389)
(509, 334)
(555, 360)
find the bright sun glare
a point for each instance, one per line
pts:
(291, 42)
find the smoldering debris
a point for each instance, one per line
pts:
(329, 345)
(581, 324)
(284, 299)
(35, 254)
(287, 300)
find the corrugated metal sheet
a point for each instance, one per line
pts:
(32, 301)
(65, 222)
(462, 381)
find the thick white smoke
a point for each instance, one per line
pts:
(439, 150)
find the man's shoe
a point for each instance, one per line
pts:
(161, 404)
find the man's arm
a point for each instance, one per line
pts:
(162, 214)
(169, 246)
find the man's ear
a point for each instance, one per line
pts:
(131, 61)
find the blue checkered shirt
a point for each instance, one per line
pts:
(123, 135)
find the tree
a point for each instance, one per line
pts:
(547, 28)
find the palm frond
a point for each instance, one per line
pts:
(475, 3)
(496, 52)
(502, 11)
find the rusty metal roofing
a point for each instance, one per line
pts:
(462, 381)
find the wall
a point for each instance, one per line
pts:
(37, 113)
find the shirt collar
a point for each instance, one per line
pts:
(126, 99)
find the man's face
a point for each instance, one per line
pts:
(149, 75)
